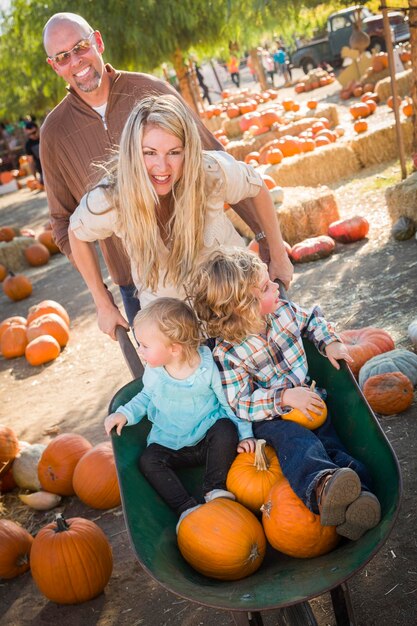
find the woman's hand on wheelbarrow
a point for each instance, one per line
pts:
(114, 419)
(108, 317)
(336, 351)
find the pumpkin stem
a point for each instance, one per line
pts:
(61, 523)
(261, 460)
(266, 508)
(313, 385)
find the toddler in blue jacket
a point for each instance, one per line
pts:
(182, 396)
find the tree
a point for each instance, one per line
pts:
(413, 41)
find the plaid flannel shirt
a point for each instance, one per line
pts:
(256, 372)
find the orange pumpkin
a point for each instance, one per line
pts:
(288, 103)
(95, 478)
(71, 560)
(360, 126)
(269, 117)
(274, 156)
(312, 249)
(390, 101)
(17, 286)
(37, 254)
(252, 156)
(47, 239)
(49, 324)
(47, 306)
(3, 272)
(11, 321)
(350, 229)
(42, 350)
(407, 107)
(322, 141)
(298, 416)
(58, 461)
(364, 343)
(222, 539)
(292, 528)
(389, 393)
(252, 475)
(7, 482)
(269, 181)
(9, 446)
(7, 233)
(13, 341)
(289, 145)
(15, 547)
(312, 104)
(359, 109)
(232, 111)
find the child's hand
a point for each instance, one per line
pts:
(304, 399)
(247, 445)
(335, 352)
(114, 419)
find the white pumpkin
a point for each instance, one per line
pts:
(412, 332)
(25, 466)
(41, 500)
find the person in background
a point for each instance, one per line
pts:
(84, 129)
(32, 149)
(233, 69)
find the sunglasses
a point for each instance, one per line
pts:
(80, 48)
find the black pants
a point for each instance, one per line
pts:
(216, 451)
(235, 78)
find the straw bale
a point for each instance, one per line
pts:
(231, 127)
(325, 165)
(329, 111)
(380, 144)
(401, 199)
(304, 212)
(11, 253)
(403, 80)
(214, 123)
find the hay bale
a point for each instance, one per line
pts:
(325, 165)
(231, 127)
(329, 111)
(11, 253)
(403, 80)
(214, 123)
(402, 199)
(380, 144)
(305, 212)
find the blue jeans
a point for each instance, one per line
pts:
(130, 301)
(306, 455)
(216, 451)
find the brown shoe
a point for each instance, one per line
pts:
(362, 515)
(335, 492)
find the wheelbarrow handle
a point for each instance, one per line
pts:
(129, 352)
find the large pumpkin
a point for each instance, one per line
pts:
(364, 343)
(350, 229)
(312, 249)
(15, 546)
(11, 321)
(222, 539)
(47, 306)
(71, 560)
(389, 393)
(13, 341)
(57, 463)
(292, 528)
(47, 239)
(412, 332)
(252, 475)
(42, 350)
(397, 360)
(37, 254)
(9, 446)
(95, 478)
(49, 324)
(17, 286)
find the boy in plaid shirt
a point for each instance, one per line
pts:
(263, 366)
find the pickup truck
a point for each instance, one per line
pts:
(339, 29)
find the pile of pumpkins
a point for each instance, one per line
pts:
(70, 560)
(39, 337)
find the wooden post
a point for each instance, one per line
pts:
(412, 20)
(394, 90)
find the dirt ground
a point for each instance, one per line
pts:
(367, 283)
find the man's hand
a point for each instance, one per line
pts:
(278, 266)
(108, 317)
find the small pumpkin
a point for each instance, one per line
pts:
(37, 254)
(47, 306)
(49, 324)
(3, 272)
(349, 229)
(360, 126)
(95, 478)
(47, 239)
(289, 145)
(312, 249)
(25, 466)
(7, 233)
(13, 341)
(42, 349)
(364, 343)
(222, 539)
(7, 482)
(359, 109)
(412, 332)
(403, 229)
(71, 560)
(15, 547)
(389, 393)
(252, 475)
(10, 321)
(9, 446)
(295, 415)
(58, 461)
(17, 286)
(40, 500)
(397, 360)
(292, 528)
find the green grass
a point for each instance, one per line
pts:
(391, 175)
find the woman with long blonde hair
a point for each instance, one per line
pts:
(164, 197)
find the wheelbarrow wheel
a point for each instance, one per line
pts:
(296, 615)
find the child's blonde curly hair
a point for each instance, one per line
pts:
(176, 320)
(224, 294)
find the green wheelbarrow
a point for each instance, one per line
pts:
(282, 583)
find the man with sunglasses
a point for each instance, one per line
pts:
(32, 149)
(85, 127)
